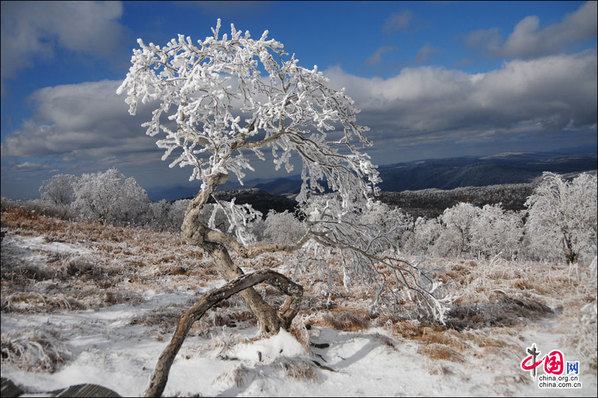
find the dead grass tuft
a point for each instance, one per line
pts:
(24, 272)
(81, 267)
(346, 321)
(299, 369)
(165, 318)
(117, 296)
(440, 351)
(25, 302)
(238, 376)
(504, 311)
(34, 351)
(482, 339)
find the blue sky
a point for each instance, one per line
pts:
(433, 79)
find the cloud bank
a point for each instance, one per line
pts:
(528, 40)
(79, 121)
(549, 95)
(34, 29)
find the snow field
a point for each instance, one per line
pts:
(141, 281)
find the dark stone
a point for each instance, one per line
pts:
(9, 389)
(85, 390)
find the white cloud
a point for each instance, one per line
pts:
(376, 57)
(528, 40)
(425, 52)
(79, 121)
(430, 104)
(397, 21)
(423, 105)
(30, 165)
(31, 30)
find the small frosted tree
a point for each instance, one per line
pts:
(392, 222)
(283, 228)
(458, 221)
(218, 100)
(425, 234)
(496, 232)
(562, 218)
(58, 189)
(109, 196)
(221, 99)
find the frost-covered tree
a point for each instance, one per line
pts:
(109, 196)
(392, 221)
(424, 237)
(156, 215)
(496, 232)
(58, 189)
(562, 218)
(217, 101)
(283, 228)
(176, 213)
(455, 238)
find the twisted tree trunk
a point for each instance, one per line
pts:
(240, 284)
(196, 233)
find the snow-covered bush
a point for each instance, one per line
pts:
(283, 228)
(456, 234)
(496, 232)
(392, 222)
(561, 219)
(59, 189)
(109, 197)
(424, 237)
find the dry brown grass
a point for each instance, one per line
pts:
(121, 262)
(35, 302)
(344, 320)
(34, 351)
(440, 351)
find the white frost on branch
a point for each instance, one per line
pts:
(222, 97)
(219, 99)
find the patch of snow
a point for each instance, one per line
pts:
(267, 350)
(39, 243)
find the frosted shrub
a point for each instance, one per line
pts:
(562, 220)
(392, 222)
(456, 234)
(108, 196)
(425, 235)
(496, 232)
(34, 350)
(156, 215)
(214, 215)
(176, 213)
(283, 228)
(59, 189)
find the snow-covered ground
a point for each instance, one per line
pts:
(116, 343)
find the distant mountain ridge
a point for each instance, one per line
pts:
(450, 173)
(482, 171)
